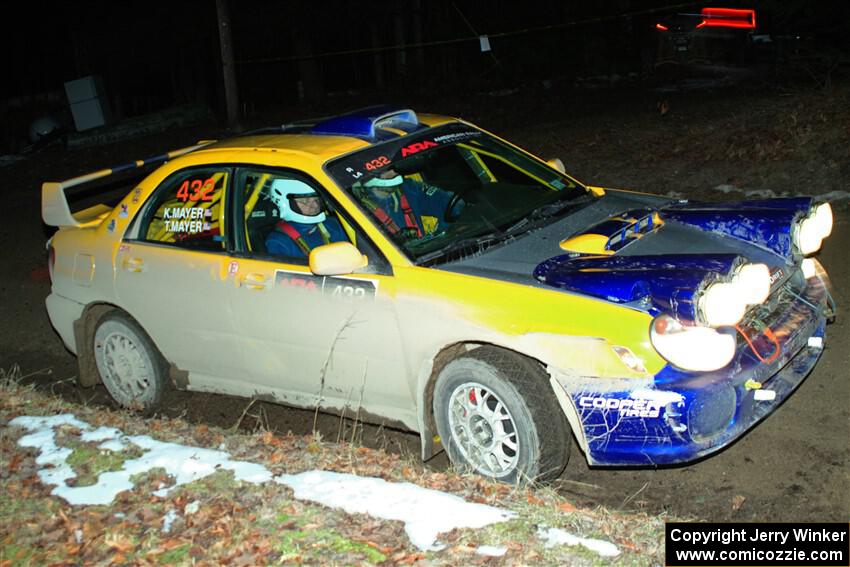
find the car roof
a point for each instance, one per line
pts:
(334, 136)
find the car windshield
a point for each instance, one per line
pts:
(453, 190)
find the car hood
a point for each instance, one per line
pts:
(649, 253)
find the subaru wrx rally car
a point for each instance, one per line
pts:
(429, 275)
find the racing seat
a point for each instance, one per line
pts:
(260, 223)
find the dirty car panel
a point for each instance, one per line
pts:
(451, 284)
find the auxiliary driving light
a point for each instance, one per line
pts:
(753, 281)
(725, 302)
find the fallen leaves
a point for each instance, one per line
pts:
(119, 542)
(738, 501)
(566, 507)
(218, 521)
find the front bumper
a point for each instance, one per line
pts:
(684, 415)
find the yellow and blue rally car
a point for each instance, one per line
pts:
(435, 277)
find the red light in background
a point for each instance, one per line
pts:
(728, 18)
(661, 27)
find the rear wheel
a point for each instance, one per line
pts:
(129, 364)
(497, 416)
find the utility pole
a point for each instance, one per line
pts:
(228, 66)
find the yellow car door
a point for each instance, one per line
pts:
(309, 339)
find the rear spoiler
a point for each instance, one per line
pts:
(54, 205)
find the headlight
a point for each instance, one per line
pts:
(725, 302)
(691, 348)
(753, 282)
(811, 230)
(823, 216)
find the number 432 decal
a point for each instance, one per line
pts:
(196, 190)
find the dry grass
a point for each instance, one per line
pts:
(221, 521)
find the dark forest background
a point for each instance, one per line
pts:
(155, 55)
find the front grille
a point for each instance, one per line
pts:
(780, 300)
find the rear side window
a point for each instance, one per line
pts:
(188, 211)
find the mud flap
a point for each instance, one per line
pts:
(84, 337)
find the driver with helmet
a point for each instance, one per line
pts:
(304, 224)
(403, 206)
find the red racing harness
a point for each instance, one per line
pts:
(388, 223)
(293, 233)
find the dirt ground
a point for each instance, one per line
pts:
(718, 139)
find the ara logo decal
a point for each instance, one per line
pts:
(338, 288)
(297, 280)
(627, 407)
(417, 147)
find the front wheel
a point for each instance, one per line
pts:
(497, 415)
(129, 364)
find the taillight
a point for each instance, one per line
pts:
(51, 260)
(728, 18)
(661, 27)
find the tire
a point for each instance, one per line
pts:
(490, 393)
(128, 363)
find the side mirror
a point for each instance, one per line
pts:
(336, 259)
(556, 163)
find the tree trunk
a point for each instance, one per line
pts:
(228, 66)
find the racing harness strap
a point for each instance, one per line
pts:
(293, 233)
(387, 222)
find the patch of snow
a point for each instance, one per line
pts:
(557, 536)
(185, 464)
(763, 194)
(835, 195)
(116, 445)
(168, 519)
(749, 193)
(491, 550)
(54, 459)
(770, 194)
(188, 464)
(425, 512)
(100, 434)
(726, 188)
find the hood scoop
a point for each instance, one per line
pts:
(613, 234)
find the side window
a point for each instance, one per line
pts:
(188, 211)
(286, 215)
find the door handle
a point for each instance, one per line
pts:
(254, 281)
(134, 265)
